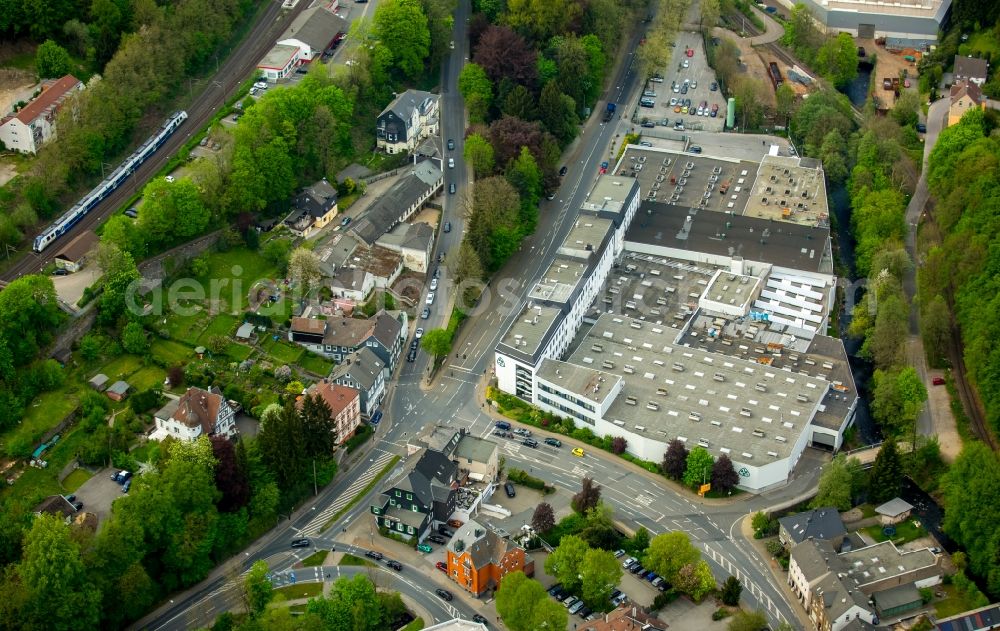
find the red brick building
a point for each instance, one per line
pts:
(479, 558)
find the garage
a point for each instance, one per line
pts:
(866, 31)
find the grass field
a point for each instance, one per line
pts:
(148, 377)
(316, 364)
(905, 532)
(184, 327)
(282, 351)
(222, 324)
(982, 43)
(45, 412)
(120, 367)
(316, 558)
(171, 352)
(241, 267)
(350, 559)
(75, 480)
(305, 590)
(953, 603)
(238, 352)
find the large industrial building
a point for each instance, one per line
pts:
(910, 23)
(700, 317)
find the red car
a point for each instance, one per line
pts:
(938, 381)
(441, 566)
(689, 52)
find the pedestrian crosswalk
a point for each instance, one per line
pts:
(362, 480)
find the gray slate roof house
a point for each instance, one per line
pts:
(819, 523)
(413, 241)
(363, 370)
(403, 199)
(312, 209)
(427, 494)
(971, 69)
(412, 116)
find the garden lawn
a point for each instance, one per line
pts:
(75, 480)
(171, 352)
(954, 603)
(35, 484)
(223, 325)
(984, 42)
(242, 268)
(316, 364)
(182, 327)
(302, 590)
(238, 352)
(44, 413)
(120, 367)
(905, 532)
(282, 352)
(148, 377)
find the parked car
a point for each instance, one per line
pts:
(126, 486)
(169, 179)
(132, 212)
(426, 313)
(78, 505)
(345, 221)
(300, 543)
(444, 594)
(638, 570)
(60, 272)
(576, 607)
(423, 547)
(555, 588)
(376, 417)
(563, 170)
(395, 565)
(441, 565)
(456, 523)
(530, 442)
(430, 298)
(584, 612)
(921, 128)
(714, 87)
(569, 602)
(657, 581)
(447, 224)
(522, 432)
(412, 355)
(480, 619)
(694, 149)
(451, 188)
(372, 554)
(504, 425)
(627, 562)
(619, 554)
(689, 52)
(451, 144)
(555, 442)
(686, 63)
(938, 381)
(451, 163)
(508, 488)
(578, 452)
(445, 532)
(438, 539)
(648, 123)
(419, 333)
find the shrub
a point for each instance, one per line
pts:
(774, 548)
(720, 613)
(363, 434)
(521, 477)
(665, 598)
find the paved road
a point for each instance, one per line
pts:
(936, 116)
(236, 68)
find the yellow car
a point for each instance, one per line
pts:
(578, 452)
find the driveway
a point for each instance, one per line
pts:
(70, 288)
(98, 493)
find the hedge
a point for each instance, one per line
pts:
(521, 477)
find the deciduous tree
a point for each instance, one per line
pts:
(544, 518)
(477, 90)
(230, 475)
(479, 153)
(674, 459)
(524, 606)
(724, 476)
(695, 580)
(52, 61)
(837, 484)
(256, 589)
(668, 553)
(565, 562)
(698, 469)
(502, 53)
(401, 26)
(731, 591)
(748, 620)
(437, 342)
(588, 497)
(134, 339)
(600, 572)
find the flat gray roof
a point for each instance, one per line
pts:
(609, 194)
(733, 405)
(790, 189)
(530, 329)
(279, 55)
(731, 289)
(475, 449)
(583, 381)
(792, 246)
(883, 560)
(559, 280)
(586, 235)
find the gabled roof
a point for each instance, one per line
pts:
(815, 558)
(484, 546)
(315, 26)
(318, 199)
(838, 599)
(895, 506)
(195, 408)
(312, 326)
(349, 332)
(79, 247)
(98, 380)
(336, 396)
(404, 104)
(413, 236)
(50, 99)
(385, 212)
(896, 596)
(971, 68)
(363, 367)
(387, 329)
(819, 523)
(119, 387)
(966, 88)
(432, 478)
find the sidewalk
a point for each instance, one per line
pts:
(779, 575)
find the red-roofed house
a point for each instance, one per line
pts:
(965, 96)
(35, 124)
(195, 413)
(345, 407)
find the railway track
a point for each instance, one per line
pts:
(232, 72)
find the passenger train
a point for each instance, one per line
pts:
(110, 183)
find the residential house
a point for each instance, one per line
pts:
(478, 558)
(352, 284)
(971, 69)
(426, 496)
(895, 511)
(413, 241)
(834, 605)
(195, 413)
(411, 117)
(312, 32)
(965, 96)
(335, 252)
(477, 458)
(400, 202)
(363, 370)
(382, 267)
(627, 617)
(118, 391)
(987, 617)
(35, 123)
(818, 523)
(74, 256)
(337, 337)
(312, 209)
(344, 404)
(56, 505)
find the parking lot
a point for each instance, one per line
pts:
(679, 85)
(98, 493)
